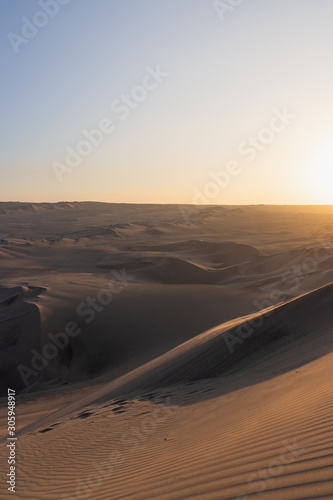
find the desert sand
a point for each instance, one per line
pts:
(167, 352)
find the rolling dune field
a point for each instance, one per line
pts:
(167, 352)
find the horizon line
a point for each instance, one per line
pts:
(175, 204)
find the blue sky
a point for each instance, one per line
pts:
(225, 78)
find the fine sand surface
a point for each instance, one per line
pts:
(167, 352)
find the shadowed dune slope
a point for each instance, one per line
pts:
(215, 352)
(301, 326)
(258, 420)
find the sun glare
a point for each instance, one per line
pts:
(320, 176)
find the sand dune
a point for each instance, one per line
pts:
(221, 253)
(198, 356)
(257, 338)
(20, 331)
(233, 401)
(115, 339)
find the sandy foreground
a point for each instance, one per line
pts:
(167, 352)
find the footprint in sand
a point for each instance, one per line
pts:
(84, 414)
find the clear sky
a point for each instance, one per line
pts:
(189, 94)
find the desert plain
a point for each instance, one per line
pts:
(167, 351)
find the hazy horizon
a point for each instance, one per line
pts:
(176, 204)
